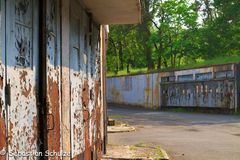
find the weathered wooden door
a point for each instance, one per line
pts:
(22, 68)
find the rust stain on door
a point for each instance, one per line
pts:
(54, 109)
(86, 118)
(3, 143)
(25, 87)
(98, 139)
(53, 71)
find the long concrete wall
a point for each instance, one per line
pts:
(214, 87)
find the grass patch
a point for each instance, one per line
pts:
(149, 150)
(124, 72)
(159, 153)
(215, 61)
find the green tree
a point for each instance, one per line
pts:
(174, 33)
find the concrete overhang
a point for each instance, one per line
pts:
(114, 11)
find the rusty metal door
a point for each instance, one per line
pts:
(3, 112)
(53, 75)
(22, 68)
(76, 74)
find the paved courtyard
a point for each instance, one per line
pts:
(185, 136)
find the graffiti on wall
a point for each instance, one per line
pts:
(199, 94)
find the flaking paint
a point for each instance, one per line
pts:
(53, 76)
(86, 97)
(3, 137)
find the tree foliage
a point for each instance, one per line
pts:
(175, 33)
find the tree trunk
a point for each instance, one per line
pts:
(208, 10)
(128, 66)
(174, 59)
(121, 55)
(165, 63)
(159, 64)
(147, 48)
(159, 50)
(179, 61)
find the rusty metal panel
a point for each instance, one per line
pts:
(54, 141)
(22, 76)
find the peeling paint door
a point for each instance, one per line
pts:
(53, 77)
(77, 134)
(22, 21)
(3, 112)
